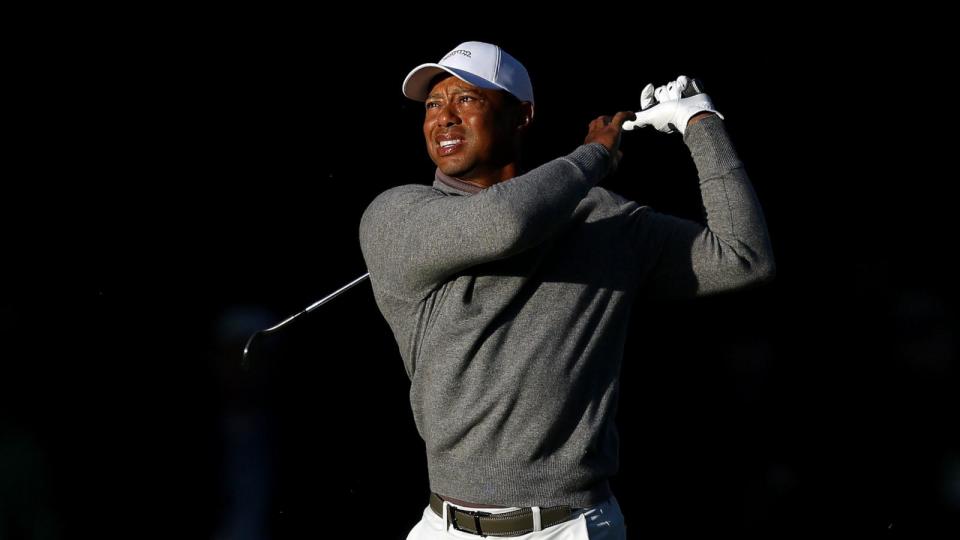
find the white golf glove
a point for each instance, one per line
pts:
(669, 107)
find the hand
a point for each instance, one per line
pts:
(670, 107)
(606, 131)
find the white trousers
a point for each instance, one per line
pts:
(602, 521)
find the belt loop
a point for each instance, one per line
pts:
(536, 518)
(446, 517)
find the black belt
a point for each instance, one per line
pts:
(513, 523)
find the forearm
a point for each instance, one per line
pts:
(544, 198)
(737, 239)
(697, 117)
(733, 249)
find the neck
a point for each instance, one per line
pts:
(488, 178)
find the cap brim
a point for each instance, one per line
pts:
(416, 85)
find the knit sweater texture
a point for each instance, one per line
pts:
(510, 308)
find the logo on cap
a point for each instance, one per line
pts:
(458, 51)
(484, 65)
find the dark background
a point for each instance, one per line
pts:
(183, 180)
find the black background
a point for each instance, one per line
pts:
(181, 179)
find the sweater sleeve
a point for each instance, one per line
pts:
(686, 259)
(413, 237)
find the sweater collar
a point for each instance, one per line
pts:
(450, 184)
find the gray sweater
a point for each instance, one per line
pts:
(510, 307)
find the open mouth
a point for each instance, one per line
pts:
(449, 146)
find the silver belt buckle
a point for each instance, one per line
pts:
(477, 514)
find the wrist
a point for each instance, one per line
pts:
(697, 117)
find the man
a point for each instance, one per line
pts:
(508, 292)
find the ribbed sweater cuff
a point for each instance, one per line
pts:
(592, 159)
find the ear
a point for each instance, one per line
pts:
(524, 116)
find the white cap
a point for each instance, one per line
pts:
(480, 64)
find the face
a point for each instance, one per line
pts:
(469, 131)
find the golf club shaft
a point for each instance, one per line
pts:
(288, 320)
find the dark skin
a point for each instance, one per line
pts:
(487, 125)
(606, 130)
